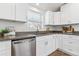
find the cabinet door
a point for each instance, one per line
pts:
(70, 44)
(57, 41)
(72, 10)
(57, 18)
(65, 18)
(74, 43)
(40, 46)
(45, 45)
(50, 44)
(49, 18)
(60, 41)
(7, 11)
(5, 48)
(40, 49)
(21, 9)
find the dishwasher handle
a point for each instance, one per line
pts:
(32, 39)
(22, 41)
(17, 42)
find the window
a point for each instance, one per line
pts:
(34, 16)
(35, 19)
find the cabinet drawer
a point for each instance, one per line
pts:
(72, 48)
(68, 47)
(42, 38)
(68, 39)
(68, 42)
(71, 42)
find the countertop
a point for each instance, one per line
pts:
(17, 37)
(27, 35)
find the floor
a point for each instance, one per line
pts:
(58, 53)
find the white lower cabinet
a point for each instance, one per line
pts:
(40, 46)
(45, 45)
(5, 48)
(50, 45)
(56, 37)
(71, 44)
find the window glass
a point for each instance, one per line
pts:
(34, 16)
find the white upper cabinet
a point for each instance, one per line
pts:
(13, 11)
(49, 18)
(57, 20)
(65, 18)
(21, 11)
(52, 18)
(7, 11)
(72, 10)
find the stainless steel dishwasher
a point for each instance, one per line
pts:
(24, 47)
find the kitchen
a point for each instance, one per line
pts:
(39, 29)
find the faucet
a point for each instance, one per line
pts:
(37, 29)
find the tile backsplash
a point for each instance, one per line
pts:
(59, 28)
(21, 27)
(18, 26)
(76, 27)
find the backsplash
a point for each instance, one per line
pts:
(55, 28)
(21, 27)
(76, 27)
(17, 25)
(59, 27)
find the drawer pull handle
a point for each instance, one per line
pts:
(70, 49)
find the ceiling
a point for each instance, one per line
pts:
(47, 6)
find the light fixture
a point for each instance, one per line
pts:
(34, 9)
(37, 4)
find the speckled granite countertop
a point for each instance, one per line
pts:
(28, 35)
(25, 35)
(17, 37)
